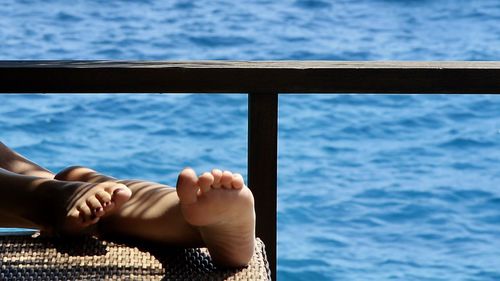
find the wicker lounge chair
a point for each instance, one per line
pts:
(24, 257)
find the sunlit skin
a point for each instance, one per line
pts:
(62, 207)
(215, 209)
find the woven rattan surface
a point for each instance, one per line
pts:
(27, 258)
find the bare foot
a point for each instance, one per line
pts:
(215, 210)
(74, 206)
(222, 208)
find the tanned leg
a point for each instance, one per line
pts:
(55, 206)
(16, 163)
(215, 210)
(153, 212)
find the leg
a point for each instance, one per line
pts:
(51, 205)
(16, 163)
(145, 214)
(214, 210)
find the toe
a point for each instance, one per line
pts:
(217, 174)
(95, 205)
(85, 212)
(104, 198)
(109, 206)
(205, 181)
(186, 186)
(75, 216)
(121, 194)
(237, 181)
(226, 179)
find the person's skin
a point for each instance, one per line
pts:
(16, 163)
(56, 206)
(214, 210)
(31, 198)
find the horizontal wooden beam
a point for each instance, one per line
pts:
(244, 77)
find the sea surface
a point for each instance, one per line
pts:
(371, 187)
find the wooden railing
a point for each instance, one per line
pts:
(263, 81)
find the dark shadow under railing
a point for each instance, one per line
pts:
(263, 81)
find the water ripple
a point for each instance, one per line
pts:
(371, 187)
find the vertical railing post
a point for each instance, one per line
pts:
(263, 168)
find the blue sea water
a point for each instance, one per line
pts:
(371, 187)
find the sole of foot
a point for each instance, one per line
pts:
(85, 203)
(222, 208)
